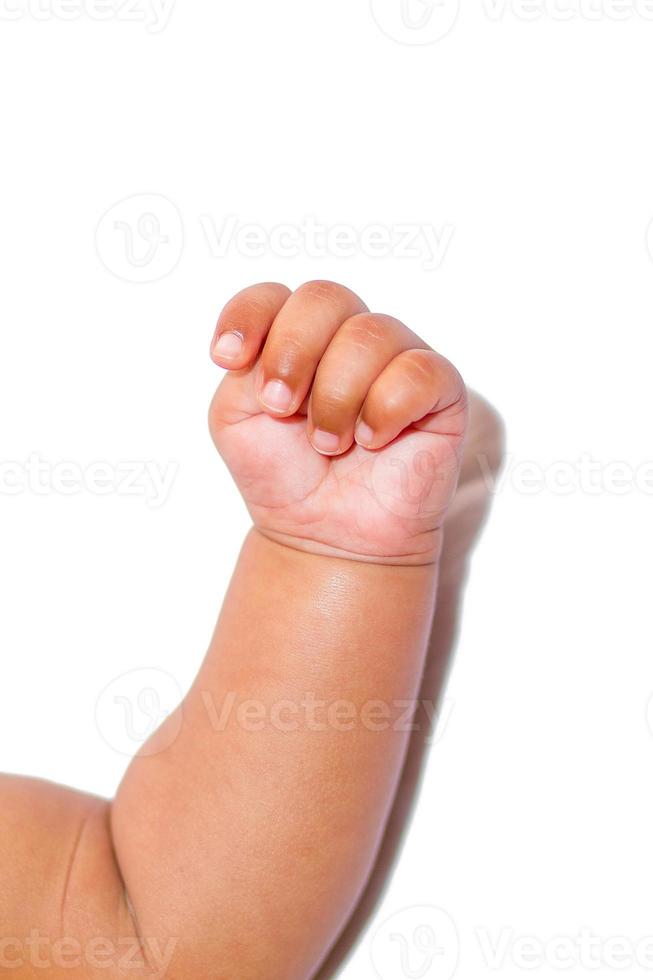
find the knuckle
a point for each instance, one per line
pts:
(324, 290)
(278, 288)
(366, 330)
(253, 305)
(420, 367)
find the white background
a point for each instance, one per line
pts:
(524, 144)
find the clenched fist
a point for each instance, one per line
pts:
(341, 427)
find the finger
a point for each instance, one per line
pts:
(244, 324)
(420, 388)
(364, 345)
(297, 340)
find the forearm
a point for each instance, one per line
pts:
(263, 817)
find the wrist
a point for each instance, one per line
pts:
(423, 553)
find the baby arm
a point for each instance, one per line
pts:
(252, 839)
(242, 838)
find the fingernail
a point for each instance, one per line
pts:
(229, 346)
(277, 396)
(325, 442)
(364, 434)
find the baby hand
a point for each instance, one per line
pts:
(343, 430)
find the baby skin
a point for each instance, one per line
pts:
(250, 837)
